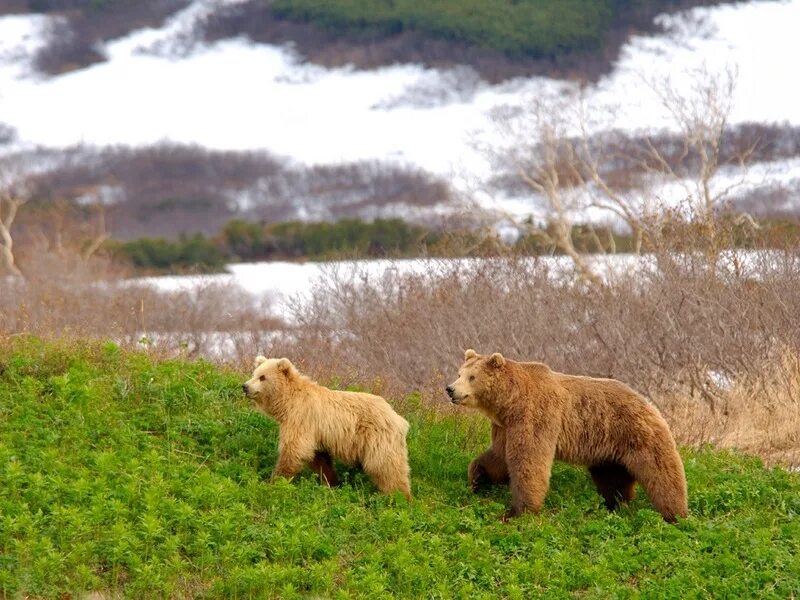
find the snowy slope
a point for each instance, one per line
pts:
(237, 95)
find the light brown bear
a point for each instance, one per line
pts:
(317, 423)
(539, 415)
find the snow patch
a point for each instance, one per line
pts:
(235, 95)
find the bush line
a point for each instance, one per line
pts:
(243, 241)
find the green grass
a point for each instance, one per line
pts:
(127, 476)
(515, 27)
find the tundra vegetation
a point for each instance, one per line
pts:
(499, 38)
(144, 472)
(125, 474)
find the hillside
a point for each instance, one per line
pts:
(501, 39)
(170, 135)
(126, 475)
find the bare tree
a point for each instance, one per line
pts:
(98, 236)
(558, 150)
(551, 168)
(69, 231)
(701, 113)
(13, 194)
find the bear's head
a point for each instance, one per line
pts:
(478, 379)
(270, 381)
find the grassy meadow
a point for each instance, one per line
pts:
(123, 475)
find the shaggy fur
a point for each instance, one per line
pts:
(318, 424)
(539, 415)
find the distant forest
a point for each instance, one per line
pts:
(243, 241)
(178, 207)
(168, 190)
(499, 38)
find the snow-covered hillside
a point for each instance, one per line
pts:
(239, 95)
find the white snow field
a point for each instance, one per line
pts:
(239, 95)
(286, 285)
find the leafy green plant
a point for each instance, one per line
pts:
(125, 475)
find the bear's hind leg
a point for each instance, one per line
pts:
(614, 482)
(389, 473)
(662, 477)
(322, 465)
(391, 482)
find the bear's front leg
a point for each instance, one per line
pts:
(528, 489)
(490, 467)
(530, 452)
(287, 467)
(293, 456)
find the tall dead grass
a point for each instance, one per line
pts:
(64, 296)
(715, 347)
(761, 415)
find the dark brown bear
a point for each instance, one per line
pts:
(539, 415)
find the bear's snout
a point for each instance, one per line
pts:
(244, 388)
(451, 392)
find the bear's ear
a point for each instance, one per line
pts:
(497, 360)
(260, 359)
(285, 366)
(470, 354)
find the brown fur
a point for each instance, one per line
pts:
(322, 465)
(318, 424)
(539, 415)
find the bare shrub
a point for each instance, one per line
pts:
(691, 339)
(211, 317)
(660, 331)
(658, 188)
(630, 157)
(68, 291)
(87, 300)
(63, 295)
(169, 189)
(75, 41)
(162, 190)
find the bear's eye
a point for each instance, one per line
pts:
(262, 378)
(472, 377)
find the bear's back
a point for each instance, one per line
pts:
(348, 423)
(362, 413)
(604, 419)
